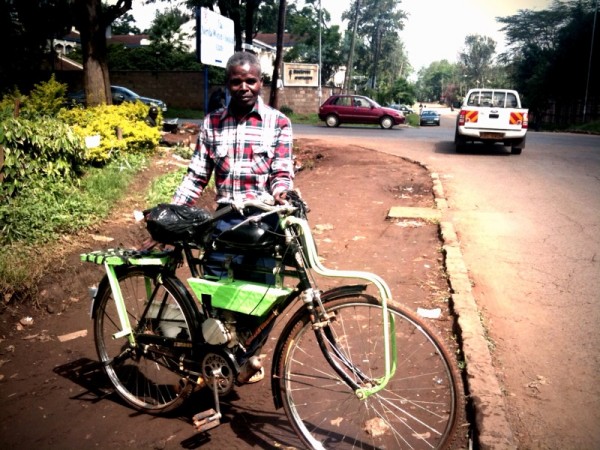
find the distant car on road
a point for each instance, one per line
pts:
(119, 95)
(429, 117)
(405, 109)
(358, 109)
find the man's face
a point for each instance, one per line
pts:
(244, 86)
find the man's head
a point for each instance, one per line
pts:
(244, 81)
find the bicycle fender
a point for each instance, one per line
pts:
(331, 294)
(342, 291)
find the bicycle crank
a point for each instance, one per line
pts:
(210, 418)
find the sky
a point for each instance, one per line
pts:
(434, 30)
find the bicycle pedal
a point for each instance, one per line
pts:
(207, 420)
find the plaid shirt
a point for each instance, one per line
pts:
(249, 157)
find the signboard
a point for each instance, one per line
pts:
(297, 74)
(217, 38)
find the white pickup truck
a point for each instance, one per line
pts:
(492, 115)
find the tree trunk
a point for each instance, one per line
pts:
(251, 6)
(278, 57)
(348, 77)
(92, 22)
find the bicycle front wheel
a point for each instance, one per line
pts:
(420, 407)
(145, 374)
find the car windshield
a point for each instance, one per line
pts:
(124, 91)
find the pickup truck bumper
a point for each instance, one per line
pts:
(491, 135)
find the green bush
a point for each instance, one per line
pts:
(44, 211)
(286, 110)
(45, 99)
(40, 147)
(121, 129)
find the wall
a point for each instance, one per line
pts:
(186, 89)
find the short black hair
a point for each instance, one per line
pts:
(242, 58)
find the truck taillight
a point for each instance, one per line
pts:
(525, 121)
(461, 117)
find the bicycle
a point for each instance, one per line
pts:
(385, 380)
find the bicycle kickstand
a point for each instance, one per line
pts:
(210, 418)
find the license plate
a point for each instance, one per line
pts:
(491, 135)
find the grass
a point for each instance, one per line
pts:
(590, 127)
(37, 223)
(182, 113)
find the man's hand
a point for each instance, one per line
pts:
(280, 198)
(147, 245)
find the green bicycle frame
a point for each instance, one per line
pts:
(385, 294)
(112, 258)
(115, 257)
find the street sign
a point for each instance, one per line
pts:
(217, 38)
(299, 74)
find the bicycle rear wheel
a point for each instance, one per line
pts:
(420, 407)
(145, 375)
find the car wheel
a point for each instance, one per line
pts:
(386, 122)
(332, 120)
(515, 151)
(459, 142)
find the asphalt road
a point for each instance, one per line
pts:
(528, 227)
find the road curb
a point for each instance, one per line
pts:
(492, 428)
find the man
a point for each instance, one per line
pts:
(248, 145)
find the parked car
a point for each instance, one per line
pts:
(405, 109)
(119, 94)
(430, 117)
(339, 109)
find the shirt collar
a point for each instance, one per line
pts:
(258, 109)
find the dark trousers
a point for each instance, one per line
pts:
(216, 262)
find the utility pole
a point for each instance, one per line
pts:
(277, 65)
(320, 72)
(587, 85)
(348, 78)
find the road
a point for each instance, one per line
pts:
(529, 231)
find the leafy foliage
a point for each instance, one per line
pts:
(26, 26)
(121, 129)
(304, 26)
(125, 25)
(43, 211)
(543, 44)
(477, 57)
(42, 147)
(379, 22)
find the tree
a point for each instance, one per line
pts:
(476, 58)
(234, 10)
(277, 64)
(543, 44)
(304, 24)
(436, 82)
(92, 19)
(26, 29)
(125, 25)
(165, 33)
(378, 26)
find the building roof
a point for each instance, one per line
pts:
(129, 40)
(64, 63)
(289, 40)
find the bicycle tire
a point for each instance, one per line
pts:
(141, 378)
(420, 407)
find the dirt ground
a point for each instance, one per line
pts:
(52, 393)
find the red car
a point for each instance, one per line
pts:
(339, 109)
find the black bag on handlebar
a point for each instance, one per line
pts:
(169, 224)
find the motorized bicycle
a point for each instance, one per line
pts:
(351, 368)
